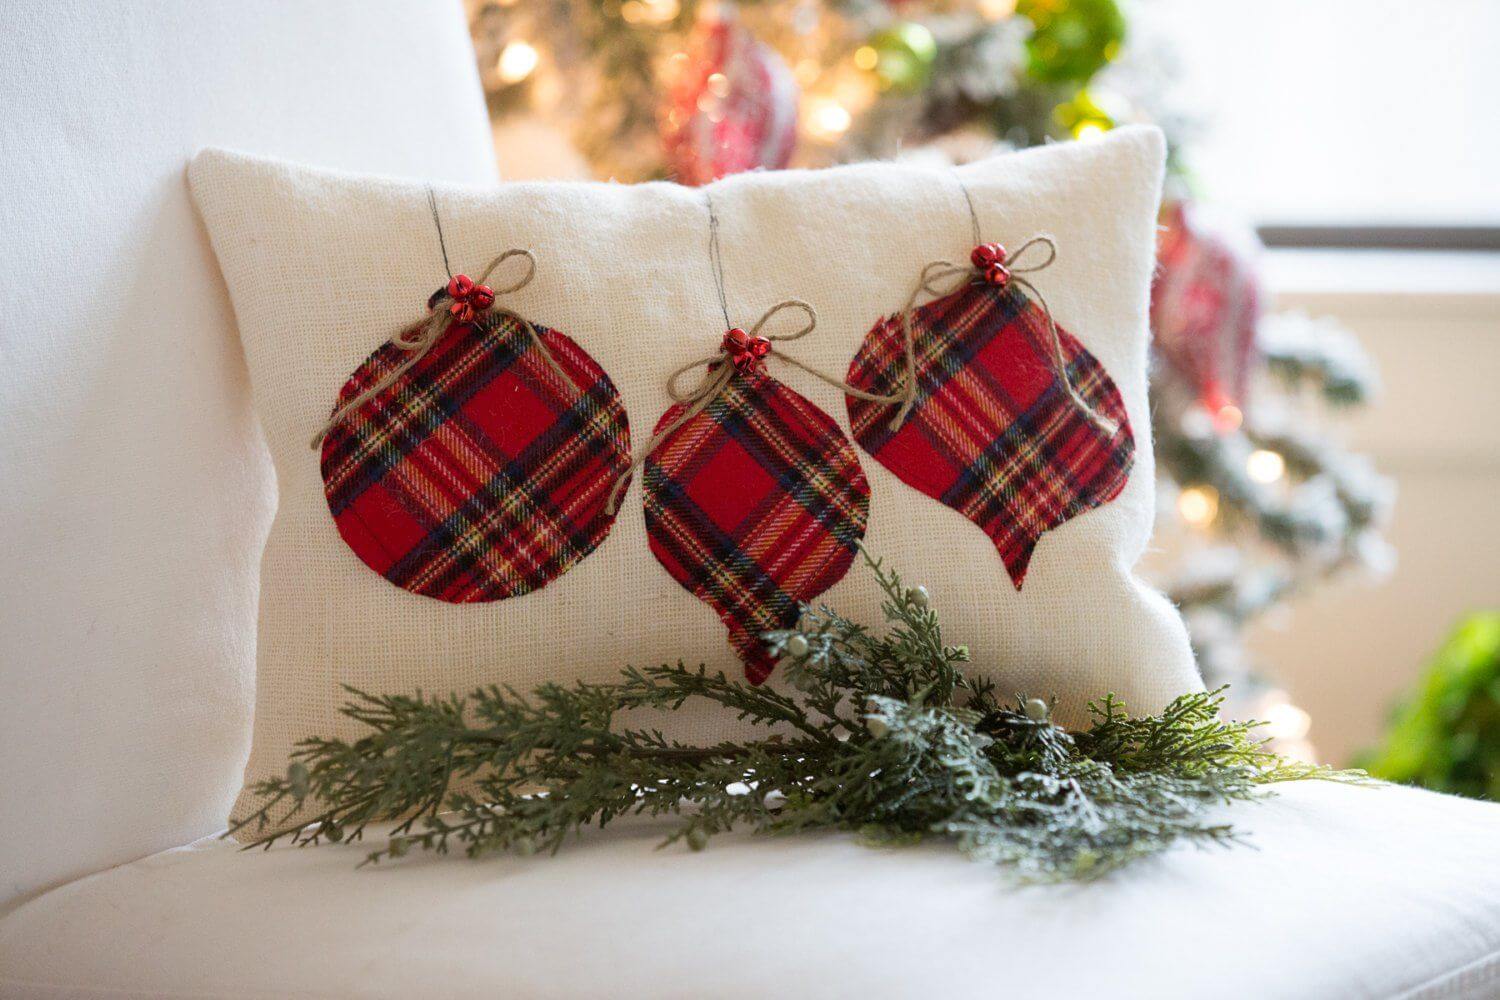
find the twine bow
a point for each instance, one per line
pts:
(991, 264)
(461, 301)
(738, 352)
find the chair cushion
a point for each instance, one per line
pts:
(1342, 891)
(135, 491)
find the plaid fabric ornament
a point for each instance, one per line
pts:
(754, 499)
(1012, 423)
(756, 503)
(481, 469)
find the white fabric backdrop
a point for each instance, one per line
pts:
(134, 490)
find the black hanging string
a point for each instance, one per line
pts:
(973, 215)
(442, 244)
(716, 258)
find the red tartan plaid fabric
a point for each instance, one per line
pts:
(756, 505)
(993, 433)
(480, 474)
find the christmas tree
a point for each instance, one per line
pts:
(1256, 501)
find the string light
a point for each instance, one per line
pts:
(1198, 505)
(517, 60)
(866, 58)
(1285, 721)
(1264, 466)
(854, 91)
(658, 11)
(828, 119)
(649, 11)
(996, 10)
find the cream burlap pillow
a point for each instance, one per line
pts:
(323, 268)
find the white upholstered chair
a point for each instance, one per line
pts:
(134, 496)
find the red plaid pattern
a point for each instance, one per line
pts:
(480, 474)
(993, 434)
(756, 505)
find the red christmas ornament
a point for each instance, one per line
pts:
(756, 505)
(733, 107)
(482, 472)
(993, 431)
(1205, 306)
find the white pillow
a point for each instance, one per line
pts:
(323, 268)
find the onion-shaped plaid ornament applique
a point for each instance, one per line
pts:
(471, 457)
(1008, 419)
(754, 499)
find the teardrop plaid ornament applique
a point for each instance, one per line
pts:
(754, 499)
(755, 504)
(1012, 423)
(470, 458)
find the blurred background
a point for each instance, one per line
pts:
(1326, 313)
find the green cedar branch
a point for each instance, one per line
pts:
(888, 737)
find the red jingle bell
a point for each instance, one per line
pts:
(744, 350)
(469, 299)
(997, 274)
(986, 254)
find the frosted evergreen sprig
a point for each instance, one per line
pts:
(1316, 351)
(888, 737)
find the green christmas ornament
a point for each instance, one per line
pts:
(904, 56)
(1072, 39)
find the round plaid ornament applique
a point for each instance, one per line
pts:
(471, 457)
(1007, 419)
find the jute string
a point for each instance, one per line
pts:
(418, 340)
